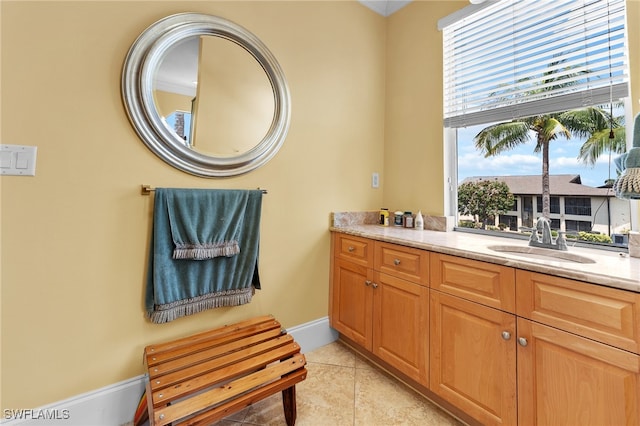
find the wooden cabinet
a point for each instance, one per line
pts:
(352, 302)
(401, 325)
(401, 309)
(403, 262)
(383, 312)
(482, 282)
(353, 249)
(578, 359)
(472, 349)
(473, 358)
(609, 315)
(505, 346)
(565, 379)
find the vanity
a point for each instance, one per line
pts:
(494, 337)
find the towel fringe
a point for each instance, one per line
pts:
(206, 251)
(171, 311)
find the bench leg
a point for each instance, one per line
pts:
(289, 405)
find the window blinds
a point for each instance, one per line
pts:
(518, 58)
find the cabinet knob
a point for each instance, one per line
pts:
(522, 341)
(367, 283)
(506, 335)
(374, 285)
(351, 249)
(396, 262)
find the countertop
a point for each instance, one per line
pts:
(611, 269)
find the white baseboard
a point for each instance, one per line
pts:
(313, 334)
(115, 404)
(109, 406)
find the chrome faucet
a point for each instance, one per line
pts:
(541, 236)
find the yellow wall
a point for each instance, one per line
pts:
(74, 237)
(413, 154)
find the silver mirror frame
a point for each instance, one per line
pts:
(140, 64)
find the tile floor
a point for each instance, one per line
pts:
(343, 389)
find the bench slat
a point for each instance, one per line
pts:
(185, 382)
(196, 403)
(156, 354)
(221, 353)
(223, 410)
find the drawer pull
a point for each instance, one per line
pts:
(522, 341)
(396, 262)
(351, 249)
(506, 335)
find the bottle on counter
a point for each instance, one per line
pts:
(407, 220)
(419, 221)
(384, 217)
(397, 218)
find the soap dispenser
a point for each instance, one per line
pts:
(419, 221)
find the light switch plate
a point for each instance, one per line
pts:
(375, 180)
(18, 160)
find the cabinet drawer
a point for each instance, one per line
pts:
(402, 262)
(605, 314)
(485, 283)
(354, 249)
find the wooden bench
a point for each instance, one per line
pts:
(203, 378)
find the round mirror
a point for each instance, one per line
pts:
(206, 95)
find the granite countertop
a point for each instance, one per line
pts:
(611, 269)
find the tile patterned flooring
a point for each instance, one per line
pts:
(343, 389)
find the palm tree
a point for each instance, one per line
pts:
(611, 139)
(501, 137)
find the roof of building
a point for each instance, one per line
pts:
(559, 185)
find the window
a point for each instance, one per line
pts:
(578, 225)
(510, 60)
(508, 221)
(554, 205)
(507, 61)
(577, 206)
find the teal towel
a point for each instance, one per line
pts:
(203, 252)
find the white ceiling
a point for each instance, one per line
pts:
(385, 7)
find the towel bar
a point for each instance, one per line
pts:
(148, 189)
(203, 378)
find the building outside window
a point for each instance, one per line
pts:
(571, 205)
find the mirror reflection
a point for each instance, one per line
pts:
(206, 95)
(214, 95)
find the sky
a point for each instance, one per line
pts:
(523, 161)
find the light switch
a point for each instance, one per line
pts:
(19, 160)
(22, 160)
(5, 159)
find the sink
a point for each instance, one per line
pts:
(541, 253)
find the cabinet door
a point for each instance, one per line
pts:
(564, 379)
(351, 306)
(353, 249)
(403, 262)
(401, 325)
(473, 358)
(482, 282)
(608, 315)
